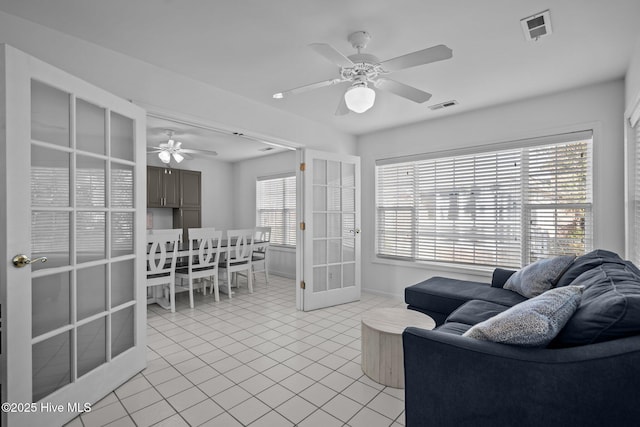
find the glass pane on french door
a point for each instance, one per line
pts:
(82, 208)
(334, 212)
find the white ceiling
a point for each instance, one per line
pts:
(255, 47)
(229, 148)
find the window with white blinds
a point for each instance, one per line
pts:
(276, 207)
(634, 223)
(506, 207)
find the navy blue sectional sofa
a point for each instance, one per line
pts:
(588, 376)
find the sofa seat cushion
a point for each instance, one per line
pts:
(610, 306)
(476, 311)
(454, 328)
(444, 295)
(532, 323)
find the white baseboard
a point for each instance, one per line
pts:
(382, 293)
(284, 274)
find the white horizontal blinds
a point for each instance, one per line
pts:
(558, 206)
(276, 208)
(50, 187)
(469, 208)
(395, 209)
(457, 209)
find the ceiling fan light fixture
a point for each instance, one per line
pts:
(164, 156)
(359, 98)
(178, 157)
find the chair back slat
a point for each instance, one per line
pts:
(262, 239)
(163, 247)
(204, 247)
(240, 244)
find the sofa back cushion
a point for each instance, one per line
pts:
(586, 262)
(610, 306)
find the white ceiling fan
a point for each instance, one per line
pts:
(173, 149)
(365, 71)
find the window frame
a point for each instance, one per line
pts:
(632, 182)
(288, 228)
(525, 145)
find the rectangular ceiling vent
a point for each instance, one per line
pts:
(536, 26)
(444, 105)
(266, 149)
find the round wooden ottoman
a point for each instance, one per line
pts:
(382, 356)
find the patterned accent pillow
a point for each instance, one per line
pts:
(532, 323)
(540, 276)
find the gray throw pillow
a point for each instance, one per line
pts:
(539, 277)
(532, 323)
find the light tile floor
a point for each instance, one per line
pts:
(253, 360)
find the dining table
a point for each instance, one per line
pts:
(182, 261)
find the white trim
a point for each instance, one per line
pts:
(631, 118)
(633, 113)
(496, 146)
(476, 270)
(182, 118)
(276, 176)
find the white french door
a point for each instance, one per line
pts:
(73, 327)
(331, 236)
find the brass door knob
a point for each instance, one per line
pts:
(22, 260)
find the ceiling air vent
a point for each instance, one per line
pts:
(444, 105)
(536, 26)
(266, 149)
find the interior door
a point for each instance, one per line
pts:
(331, 212)
(73, 327)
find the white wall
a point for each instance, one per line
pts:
(632, 79)
(144, 83)
(598, 106)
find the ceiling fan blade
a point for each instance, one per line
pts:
(154, 151)
(308, 87)
(181, 155)
(403, 90)
(177, 145)
(342, 107)
(331, 54)
(421, 57)
(193, 151)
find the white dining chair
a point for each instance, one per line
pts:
(161, 262)
(259, 262)
(238, 256)
(204, 253)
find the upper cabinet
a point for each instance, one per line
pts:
(190, 189)
(172, 188)
(163, 187)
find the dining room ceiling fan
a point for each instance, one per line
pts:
(365, 71)
(173, 149)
